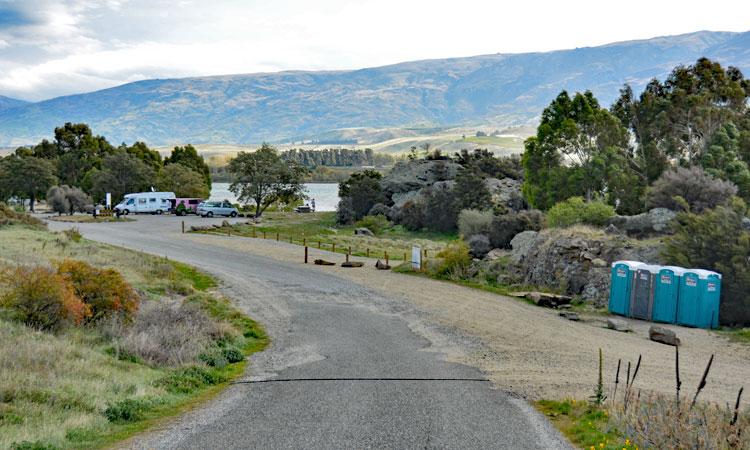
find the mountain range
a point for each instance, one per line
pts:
(489, 90)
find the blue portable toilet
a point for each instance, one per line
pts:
(709, 293)
(620, 286)
(642, 292)
(666, 291)
(688, 300)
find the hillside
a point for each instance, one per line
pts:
(7, 102)
(491, 90)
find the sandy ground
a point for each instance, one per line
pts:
(532, 351)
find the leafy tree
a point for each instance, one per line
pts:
(722, 159)
(183, 181)
(690, 188)
(580, 149)
(576, 210)
(77, 151)
(440, 209)
(359, 194)
(264, 178)
(487, 163)
(188, 156)
(141, 151)
(717, 240)
(121, 173)
(470, 192)
(27, 178)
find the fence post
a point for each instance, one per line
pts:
(425, 253)
(290, 238)
(386, 258)
(318, 245)
(304, 242)
(405, 256)
(350, 250)
(277, 236)
(183, 227)
(347, 257)
(305, 254)
(333, 247)
(368, 252)
(264, 235)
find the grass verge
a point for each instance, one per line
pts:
(70, 389)
(585, 425)
(320, 228)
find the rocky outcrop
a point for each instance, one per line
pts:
(362, 231)
(407, 176)
(574, 260)
(506, 192)
(653, 222)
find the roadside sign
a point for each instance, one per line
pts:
(108, 202)
(416, 258)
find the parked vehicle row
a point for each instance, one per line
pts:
(166, 202)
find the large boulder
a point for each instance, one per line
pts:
(663, 335)
(506, 192)
(576, 260)
(414, 175)
(479, 245)
(653, 222)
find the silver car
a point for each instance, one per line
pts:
(210, 209)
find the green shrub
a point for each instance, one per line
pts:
(716, 240)
(377, 224)
(412, 216)
(454, 260)
(190, 379)
(689, 186)
(41, 298)
(36, 445)
(577, 211)
(128, 410)
(473, 221)
(233, 355)
(505, 227)
(214, 358)
(105, 291)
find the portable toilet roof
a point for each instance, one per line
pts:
(650, 267)
(705, 274)
(679, 271)
(631, 264)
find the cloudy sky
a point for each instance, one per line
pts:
(51, 48)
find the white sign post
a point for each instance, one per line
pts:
(416, 258)
(108, 202)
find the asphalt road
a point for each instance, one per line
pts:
(348, 367)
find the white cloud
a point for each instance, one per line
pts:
(77, 45)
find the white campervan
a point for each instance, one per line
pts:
(146, 202)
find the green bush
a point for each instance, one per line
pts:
(454, 260)
(233, 355)
(505, 227)
(214, 358)
(36, 445)
(190, 379)
(716, 240)
(377, 224)
(577, 211)
(473, 221)
(128, 410)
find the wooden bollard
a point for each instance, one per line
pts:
(347, 257)
(386, 258)
(304, 242)
(368, 252)
(333, 247)
(305, 254)
(264, 235)
(349, 251)
(405, 256)
(318, 245)
(183, 227)
(277, 236)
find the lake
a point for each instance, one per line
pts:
(326, 195)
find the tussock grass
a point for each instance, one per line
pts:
(321, 227)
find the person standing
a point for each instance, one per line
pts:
(312, 204)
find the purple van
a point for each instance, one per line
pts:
(191, 205)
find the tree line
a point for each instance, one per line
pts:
(77, 158)
(337, 157)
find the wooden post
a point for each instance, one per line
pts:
(368, 252)
(305, 254)
(277, 236)
(350, 250)
(347, 257)
(264, 235)
(183, 227)
(425, 253)
(386, 258)
(318, 245)
(333, 247)
(405, 256)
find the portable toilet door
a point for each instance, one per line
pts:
(688, 299)
(642, 296)
(666, 289)
(709, 293)
(620, 286)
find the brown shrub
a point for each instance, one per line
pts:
(103, 290)
(41, 298)
(8, 216)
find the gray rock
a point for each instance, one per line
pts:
(598, 262)
(746, 223)
(479, 245)
(653, 222)
(408, 176)
(618, 325)
(380, 209)
(663, 335)
(611, 229)
(495, 253)
(225, 223)
(363, 232)
(506, 192)
(570, 315)
(521, 244)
